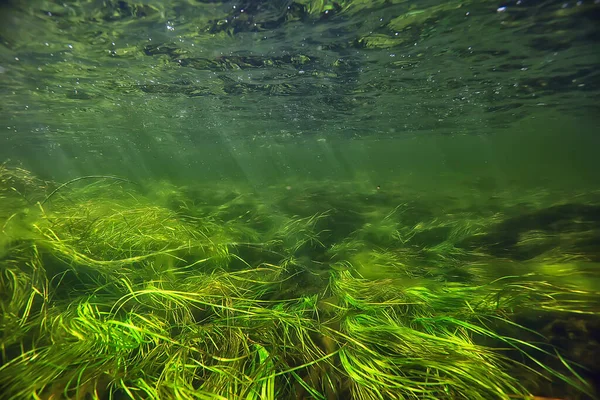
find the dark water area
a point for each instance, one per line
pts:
(304, 199)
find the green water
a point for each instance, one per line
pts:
(299, 199)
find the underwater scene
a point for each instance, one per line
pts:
(299, 199)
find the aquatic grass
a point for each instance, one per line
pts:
(387, 356)
(111, 230)
(107, 295)
(195, 360)
(360, 293)
(108, 234)
(297, 232)
(136, 344)
(81, 346)
(25, 298)
(373, 347)
(420, 326)
(523, 348)
(531, 291)
(378, 263)
(19, 189)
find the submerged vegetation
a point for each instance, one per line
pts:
(116, 290)
(323, 289)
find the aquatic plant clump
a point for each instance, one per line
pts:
(109, 293)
